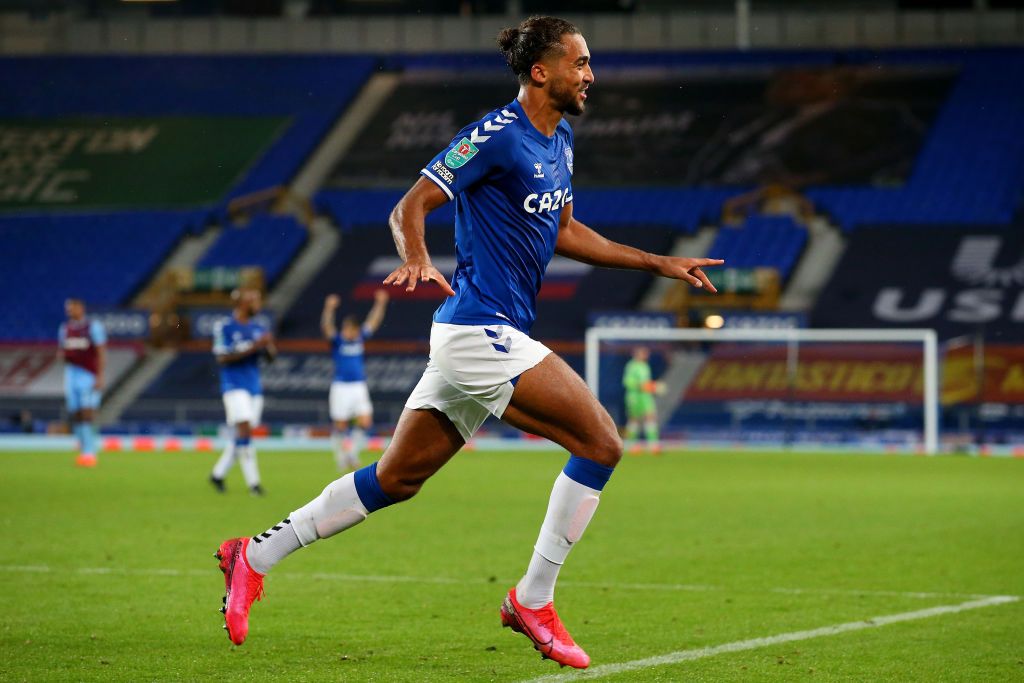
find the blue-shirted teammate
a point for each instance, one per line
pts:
(349, 400)
(509, 175)
(84, 352)
(238, 344)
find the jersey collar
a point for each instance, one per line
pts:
(531, 130)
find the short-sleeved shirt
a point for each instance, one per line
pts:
(348, 356)
(79, 340)
(509, 183)
(636, 376)
(231, 335)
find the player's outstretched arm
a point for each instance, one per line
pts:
(580, 243)
(407, 224)
(376, 315)
(327, 316)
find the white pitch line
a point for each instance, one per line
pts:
(755, 643)
(450, 581)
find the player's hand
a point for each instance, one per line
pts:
(688, 270)
(332, 301)
(99, 384)
(381, 296)
(412, 272)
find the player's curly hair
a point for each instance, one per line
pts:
(533, 40)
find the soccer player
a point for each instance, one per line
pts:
(640, 390)
(238, 344)
(510, 177)
(349, 398)
(84, 351)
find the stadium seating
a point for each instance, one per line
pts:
(771, 241)
(270, 242)
(101, 258)
(310, 90)
(969, 171)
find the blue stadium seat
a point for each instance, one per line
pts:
(101, 258)
(311, 90)
(270, 242)
(769, 241)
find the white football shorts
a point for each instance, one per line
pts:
(349, 400)
(241, 406)
(471, 372)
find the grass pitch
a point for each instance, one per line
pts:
(108, 574)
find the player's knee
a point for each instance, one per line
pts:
(606, 449)
(399, 487)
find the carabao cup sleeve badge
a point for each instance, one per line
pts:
(458, 155)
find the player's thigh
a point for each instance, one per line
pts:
(336, 403)
(256, 416)
(238, 407)
(552, 401)
(424, 440)
(362, 408)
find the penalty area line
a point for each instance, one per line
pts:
(755, 643)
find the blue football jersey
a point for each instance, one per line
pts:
(509, 183)
(348, 357)
(230, 335)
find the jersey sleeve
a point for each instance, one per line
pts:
(97, 332)
(479, 150)
(365, 333)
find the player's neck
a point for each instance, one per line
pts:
(537, 106)
(241, 316)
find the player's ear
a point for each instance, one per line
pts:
(539, 73)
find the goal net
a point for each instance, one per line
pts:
(853, 388)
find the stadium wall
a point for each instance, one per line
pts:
(797, 28)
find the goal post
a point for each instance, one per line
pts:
(793, 339)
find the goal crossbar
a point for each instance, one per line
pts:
(793, 336)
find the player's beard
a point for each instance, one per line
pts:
(566, 99)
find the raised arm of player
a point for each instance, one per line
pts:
(327, 316)
(407, 224)
(376, 315)
(580, 243)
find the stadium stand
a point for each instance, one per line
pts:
(118, 251)
(270, 242)
(771, 241)
(310, 90)
(101, 258)
(569, 293)
(966, 168)
(969, 170)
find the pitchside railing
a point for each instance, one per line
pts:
(783, 350)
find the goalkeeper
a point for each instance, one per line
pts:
(640, 391)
